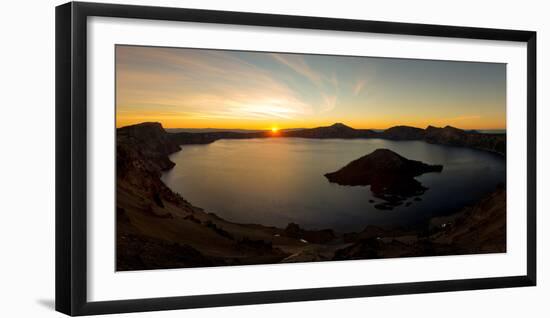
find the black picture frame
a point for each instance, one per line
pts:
(71, 157)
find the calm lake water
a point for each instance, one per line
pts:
(274, 181)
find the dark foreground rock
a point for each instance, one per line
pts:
(479, 228)
(144, 146)
(320, 236)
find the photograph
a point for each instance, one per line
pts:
(227, 157)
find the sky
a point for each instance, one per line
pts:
(198, 88)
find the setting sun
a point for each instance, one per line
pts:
(274, 129)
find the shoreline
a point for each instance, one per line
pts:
(417, 226)
(447, 135)
(158, 228)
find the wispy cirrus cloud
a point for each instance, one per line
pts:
(207, 85)
(358, 87)
(299, 65)
(329, 102)
(326, 85)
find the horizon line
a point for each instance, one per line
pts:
(317, 126)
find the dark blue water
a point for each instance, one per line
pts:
(274, 181)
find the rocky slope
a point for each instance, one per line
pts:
(145, 146)
(480, 228)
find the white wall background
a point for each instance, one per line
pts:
(27, 158)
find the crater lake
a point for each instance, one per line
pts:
(276, 181)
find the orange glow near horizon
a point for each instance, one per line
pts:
(196, 88)
(358, 124)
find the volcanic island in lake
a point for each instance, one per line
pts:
(390, 176)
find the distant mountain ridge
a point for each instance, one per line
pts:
(447, 135)
(337, 130)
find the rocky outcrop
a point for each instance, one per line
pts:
(141, 155)
(145, 146)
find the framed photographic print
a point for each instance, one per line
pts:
(228, 158)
